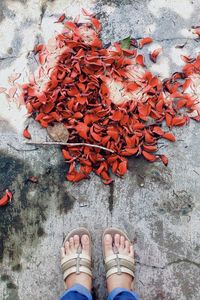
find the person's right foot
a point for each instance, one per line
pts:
(124, 247)
(70, 248)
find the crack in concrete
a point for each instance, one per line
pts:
(177, 38)
(171, 39)
(43, 10)
(27, 53)
(111, 197)
(8, 57)
(149, 266)
(185, 260)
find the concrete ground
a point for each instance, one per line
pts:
(158, 206)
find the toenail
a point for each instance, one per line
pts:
(85, 238)
(108, 238)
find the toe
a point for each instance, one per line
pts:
(67, 251)
(127, 246)
(107, 243)
(62, 252)
(117, 239)
(131, 251)
(76, 241)
(71, 243)
(85, 241)
(122, 242)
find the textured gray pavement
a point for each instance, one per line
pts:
(158, 206)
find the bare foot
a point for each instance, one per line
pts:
(70, 247)
(124, 247)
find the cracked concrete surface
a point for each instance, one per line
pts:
(158, 206)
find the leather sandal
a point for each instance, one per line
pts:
(77, 262)
(118, 263)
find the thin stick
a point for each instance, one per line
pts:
(69, 145)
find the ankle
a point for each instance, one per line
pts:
(82, 279)
(119, 281)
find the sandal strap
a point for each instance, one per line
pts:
(76, 260)
(123, 270)
(72, 270)
(76, 263)
(120, 256)
(118, 264)
(75, 256)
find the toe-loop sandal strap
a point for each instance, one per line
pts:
(75, 256)
(118, 256)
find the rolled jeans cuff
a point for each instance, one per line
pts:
(78, 288)
(123, 294)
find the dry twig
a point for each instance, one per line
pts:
(69, 145)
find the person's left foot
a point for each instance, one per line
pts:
(70, 247)
(124, 247)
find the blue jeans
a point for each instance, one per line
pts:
(79, 292)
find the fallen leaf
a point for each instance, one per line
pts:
(58, 132)
(126, 43)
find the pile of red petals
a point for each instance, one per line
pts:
(107, 97)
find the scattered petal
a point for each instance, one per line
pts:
(26, 133)
(164, 159)
(145, 41)
(154, 54)
(60, 19)
(7, 197)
